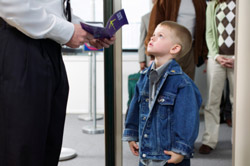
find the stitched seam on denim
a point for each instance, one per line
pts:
(183, 144)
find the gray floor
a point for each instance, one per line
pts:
(90, 148)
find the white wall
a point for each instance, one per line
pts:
(78, 75)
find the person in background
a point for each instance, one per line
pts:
(33, 81)
(143, 58)
(192, 15)
(226, 106)
(220, 37)
(164, 113)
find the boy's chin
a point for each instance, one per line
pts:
(150, 52)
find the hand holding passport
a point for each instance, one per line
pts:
(115, 22)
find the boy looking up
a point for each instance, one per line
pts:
(164, 113)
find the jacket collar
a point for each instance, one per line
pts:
(173, 69)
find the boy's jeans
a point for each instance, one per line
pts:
(185, 162)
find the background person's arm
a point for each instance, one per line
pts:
(211, 39)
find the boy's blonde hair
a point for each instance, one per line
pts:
(180, 35)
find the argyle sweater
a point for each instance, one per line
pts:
(225, 21)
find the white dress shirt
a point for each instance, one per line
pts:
(38, 19)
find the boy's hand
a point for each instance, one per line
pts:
(134, 148)
(175, 157)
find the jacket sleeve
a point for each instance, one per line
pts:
(211, 37)
(34, 21)
(131, 131)
(186, 119)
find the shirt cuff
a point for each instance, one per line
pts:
(62, 31)
(216, 56)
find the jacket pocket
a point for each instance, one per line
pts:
(143, 102)
(166, 103)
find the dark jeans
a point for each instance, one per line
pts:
(185, 162)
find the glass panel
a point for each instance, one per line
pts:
(134, 11)
(130, 41)
(89, 147)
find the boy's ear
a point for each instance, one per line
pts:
(175, 49)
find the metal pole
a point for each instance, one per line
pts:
(113, 92)
(89, 116)
(118, 92)
(94, 89)
(95, 129)
(109, 93)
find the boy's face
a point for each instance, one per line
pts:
(161, 42)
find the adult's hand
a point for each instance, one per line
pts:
(230, 63)
(100, 43)
(225, 62)
(79, 37)
(221, 60)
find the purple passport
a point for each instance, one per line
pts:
(115, 22)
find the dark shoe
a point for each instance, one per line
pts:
(229, 122)
(204, 149)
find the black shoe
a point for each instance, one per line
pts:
(204, 149)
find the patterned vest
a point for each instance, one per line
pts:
(225, 20)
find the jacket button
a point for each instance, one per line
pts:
(161, 100)
(144, 118)
(147, 99)
(144, 155)
(145, 135)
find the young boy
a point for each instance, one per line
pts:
(164, 112)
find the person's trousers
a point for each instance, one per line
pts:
(216, 77)
(187, 63)
(185, 162)
(225, 106)
(33, 99)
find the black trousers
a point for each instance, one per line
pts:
(33, 99)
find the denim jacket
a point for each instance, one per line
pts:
(172, 121)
